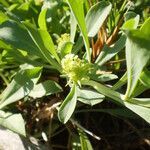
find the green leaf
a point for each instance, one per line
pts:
(5, 3)
(66, 49)
(28, 39)
(141, 101)
(119, 98)
(18, 56)
(75, 142)
(96, 17)
(68, 106)
(85, 142)
(78, 45)
(48, 43)
(20, 86)
(45, 88)
(24, 7)
(139, 89)
(145, 28)
(89, 96)
(3, 17)
(139, 110)
(116, 96)
(42, 19)
(12, 122)
(73, 27)
(103, 77)
(44, 43)
(137, 56)
(14, 34)
(131, 23)
(108, 52)
(129, 15)
(121, 82)
(78, 12)
(81, 141)
(145, 78)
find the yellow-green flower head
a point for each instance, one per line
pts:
(63, 40)
(75, 68)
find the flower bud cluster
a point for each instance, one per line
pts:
(62, 41)
(75, 68)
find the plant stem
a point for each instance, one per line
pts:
(90, 2)
(116, 61)
(123, 5)
(4, 79)
(118, 97)
(112, 38)
(85, 130)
